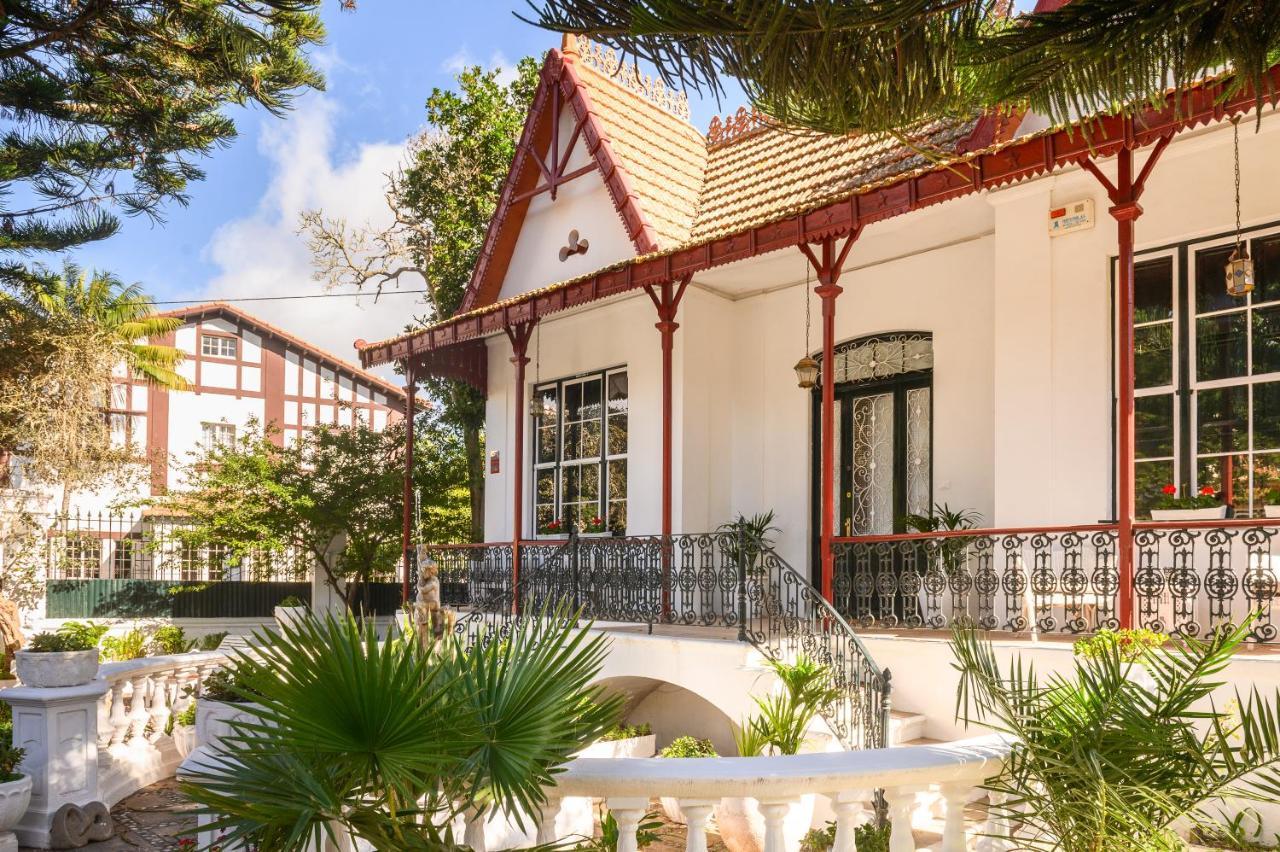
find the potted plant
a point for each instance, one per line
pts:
(51, 660)
(15, 787)
(1133, 645)
(683, 747)
(222, 701)
(552, 527)
(170, 639)
(1271, 508)
(594, 525)
(623, 740)
(758, 534)
(292, 611)
(184, 731)
(131, 645)
(1204, 506)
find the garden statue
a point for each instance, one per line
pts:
(430, 618)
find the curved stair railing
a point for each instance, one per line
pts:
(726, 580)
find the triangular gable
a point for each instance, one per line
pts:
(538, 169)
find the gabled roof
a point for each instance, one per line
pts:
(206, 310)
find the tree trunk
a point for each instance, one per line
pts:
(473, 446)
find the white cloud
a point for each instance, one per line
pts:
(263, 255)
(461, 59)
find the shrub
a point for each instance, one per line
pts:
(211, 641)
(292, 601)
(689, 747)
(1133, 644)
(127, 646)
(10, 757)
(170, 639)
(186, 717)
(866, 838)
(625, 732)
(224, 685)
(86, 631)
(55, 642)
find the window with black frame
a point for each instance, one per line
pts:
(580, 454)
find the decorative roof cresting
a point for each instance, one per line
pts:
(605, 61)
(735, 125)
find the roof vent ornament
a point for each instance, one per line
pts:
(1239, 265)
(575, 246)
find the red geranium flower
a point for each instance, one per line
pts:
(1207, 491)
(1170, 489)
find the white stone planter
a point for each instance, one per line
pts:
(184, 739)
(645, 746)
(14, 798)
(1215, 513)
(1270, 511)
(52, 669)
(214, 718)
(742, 825)
(291, 615)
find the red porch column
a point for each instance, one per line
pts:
(406, 531)
(666, 298)
(1125, 209)
(828, 271)
(519, 335)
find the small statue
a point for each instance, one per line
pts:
(431, 619)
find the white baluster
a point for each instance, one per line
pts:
(473, 837)
(902, 801)
(953, 837)
(627, 812)
(847, 807)
(775, 815)
(159, 703)
(104, 718)
(184, 683)
(696, 813)
(119, 720)
(138, 715)
(547, 820)
(996, 833)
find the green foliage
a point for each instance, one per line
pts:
(226, 684)
(211, 641)
(111, 104)
(625, 732)
(687, 746)
(187, 717)
(58, 642)
(84, 631)
(866, 838)
(1169, 498)
(758, 534)
(942, 517)
(1099, 762)
(292, 601)
(646, 832)
(1133, 644)
(131, 645)
(886, 67)
(10, 757)
(170, 639)
(781, 721)
(334, 483)
(344, 718)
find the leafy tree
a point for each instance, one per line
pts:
(838, 67)
(335, 495)
(344, 718)
(108, 102)
(63, 343)
(441, 203)
(1102, 762)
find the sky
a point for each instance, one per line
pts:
(238, 235)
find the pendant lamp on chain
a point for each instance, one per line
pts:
(807, 369)
(1239, 266)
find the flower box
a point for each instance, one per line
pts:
(184, 739)
(14, 798)
(53, 669)
(643, 746)
(1270, 511)
(214, 718)
(1214, 513)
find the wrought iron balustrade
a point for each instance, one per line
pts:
(1189, 578)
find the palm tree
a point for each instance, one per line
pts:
(1100, 762)
(389, 743)
(63, 339)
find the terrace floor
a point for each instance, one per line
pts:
(151, 820)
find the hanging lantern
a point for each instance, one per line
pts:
(807, 372)
(536, 406)
(1239, 266)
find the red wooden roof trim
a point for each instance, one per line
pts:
(518, 189)
(1000, 165)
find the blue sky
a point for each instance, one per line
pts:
(237, 236)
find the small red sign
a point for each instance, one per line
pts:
(495, 464)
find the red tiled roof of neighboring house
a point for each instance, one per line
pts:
(223, 309)
(765, 187)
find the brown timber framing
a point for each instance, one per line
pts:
(1004, 164)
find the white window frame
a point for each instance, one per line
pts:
(1175, 373)
(220, 426)
(221, 342)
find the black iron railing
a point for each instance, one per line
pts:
(1189, 578)
(714, 580)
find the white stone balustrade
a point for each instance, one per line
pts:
(103, 740)
(845, 778)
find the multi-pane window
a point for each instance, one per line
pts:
(217, 435)
(1208, 395)
(81, 557)
(216, 346)
(125, 558)
(580, 454)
